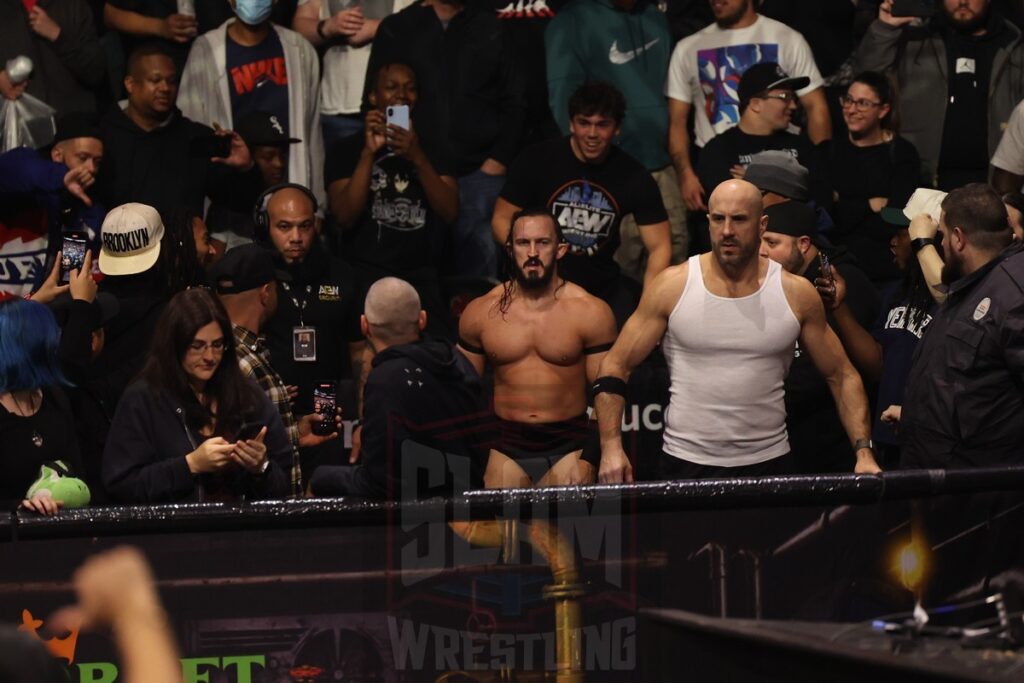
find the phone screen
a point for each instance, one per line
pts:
(826, 267)
(398, 115)
(72, 254)
(325, 404)
(207, 146)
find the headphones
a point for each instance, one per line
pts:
(260, 217)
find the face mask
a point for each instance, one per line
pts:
(253, 12)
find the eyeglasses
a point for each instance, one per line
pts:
(199, 347)
(860, 105)
(783, 96)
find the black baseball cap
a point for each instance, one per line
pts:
(761, 78)
(75, 125)
(246, 267)
(792, 218)
(260, 128)
(105, 307)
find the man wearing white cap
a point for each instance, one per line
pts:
(130, 251)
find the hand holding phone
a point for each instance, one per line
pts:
(398, 115)
(325, 402)
(73, 248)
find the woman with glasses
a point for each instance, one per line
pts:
(192, 427)
(871, 167)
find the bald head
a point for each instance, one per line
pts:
(291, 216)
(736, 192)
(736, 221)
(392, 311)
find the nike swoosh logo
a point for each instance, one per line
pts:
(616, 57)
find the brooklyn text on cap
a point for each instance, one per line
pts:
(779, 172)
(924, 200)
(760, 78)
(130, 238)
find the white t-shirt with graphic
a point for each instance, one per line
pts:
(705, 69)
(344, 70)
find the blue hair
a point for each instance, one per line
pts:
(28, 347)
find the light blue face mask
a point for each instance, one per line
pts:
(253, 12)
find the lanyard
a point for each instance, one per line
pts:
(300, 306)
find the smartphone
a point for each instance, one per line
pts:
(826, 268)
(325, 402)
(398, 115)
(72, 254)
(914, 8)
(207, 146)
(248, 430)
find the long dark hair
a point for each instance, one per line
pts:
(917, 293)
(179, 267)
(186, 314)
(509, 285)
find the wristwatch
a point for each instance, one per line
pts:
(863, 443)
(919, 243)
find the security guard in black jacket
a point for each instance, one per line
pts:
(964, 405)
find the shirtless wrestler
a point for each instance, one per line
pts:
(544, 338)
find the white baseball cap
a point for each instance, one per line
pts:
(130, 237)
(924, 200)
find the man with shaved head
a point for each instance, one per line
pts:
(416, 385)
(317, 316)
(727, 321)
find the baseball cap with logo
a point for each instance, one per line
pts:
(259, 128)
(246, 267)
(760, 78)
(924, 200)
(130, 235)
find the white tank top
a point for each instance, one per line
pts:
(727, 359)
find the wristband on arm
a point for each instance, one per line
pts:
(610, 385)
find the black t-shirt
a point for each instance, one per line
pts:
(258, 79)
(588, 201)
(30, 442)
(963, 156)
(398, 231)
(734, 147)
(321, 295)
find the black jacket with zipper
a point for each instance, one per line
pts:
(144, 459)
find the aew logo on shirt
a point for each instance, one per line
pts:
(586, 213)
(329, 293)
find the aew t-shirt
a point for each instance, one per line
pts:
(398, 230)
(258, 79)
(588, 201)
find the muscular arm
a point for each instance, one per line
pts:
(501, 221)
(819, 121)
(638, 338)
(598, 332)
(470, 328)
(818, 339)
(679, 150)
(657, 239)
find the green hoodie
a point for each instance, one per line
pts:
(592, 40)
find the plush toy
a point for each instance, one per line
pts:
(55, 478)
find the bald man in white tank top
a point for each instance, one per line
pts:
(728, 320)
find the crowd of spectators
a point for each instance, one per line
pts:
(286, 205)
